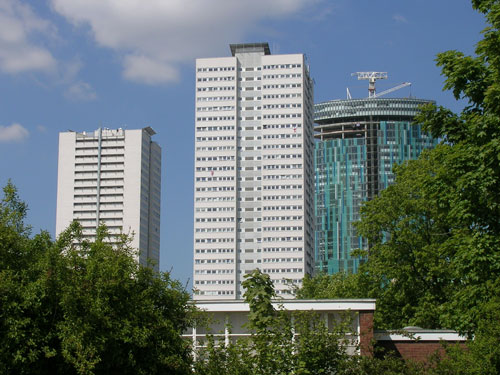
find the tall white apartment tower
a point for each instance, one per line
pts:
(112, 177)
(253, 170)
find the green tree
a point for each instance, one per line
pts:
(339, 285)
(84, 309)
(434, 256)
(281, 342)
(412, 247)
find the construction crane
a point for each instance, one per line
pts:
(371, 77)
(404, 84)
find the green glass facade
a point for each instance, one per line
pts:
(359, 141)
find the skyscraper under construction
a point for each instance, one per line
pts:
(360, 140)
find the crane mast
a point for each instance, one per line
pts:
(372, 78)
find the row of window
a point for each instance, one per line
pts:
(214, 230)
(215, 88)
(215, 98)
(214, 261)
(282, 96)
(214, 292)
(214, 209)
(282, 156)
(214, 199)
(274, 106)
(283, 86)
(213, 240)
(282, 166)
(281, 145)
(216, 138)
(281, 249)
(217, 78)
(282, 176)
(273, 229)
(215, 108)
(281, 270)
(281, 260)
(216, 219)
(215, 148)
(215, 158)
(290, 75)
(214, 251)
(216, 188)
(279, 218)
(283, 115)
(214, 282)
(217, 69)
(281, 126)
(275, 197)
(273, 208)
(282, 136)
(212, 169)
(216, 118)
(281, 187)
(209, 179)
(213, 272)
(282, 66)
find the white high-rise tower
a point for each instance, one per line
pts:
(253, 170)
(112, 177)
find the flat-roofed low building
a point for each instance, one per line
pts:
(228, 319)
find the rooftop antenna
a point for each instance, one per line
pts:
(371, 77)
(348, 93)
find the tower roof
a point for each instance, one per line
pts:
(250, 47)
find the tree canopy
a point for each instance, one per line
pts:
(84, 309)
(434, 256)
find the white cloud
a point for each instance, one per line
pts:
(13, 133)
(80, 91)
(18, 27)
(41, 128)
(148, 70)
(154, 37)
(399, 18)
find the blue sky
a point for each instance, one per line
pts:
(81, 64)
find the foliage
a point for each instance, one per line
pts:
(482, 356)
(413, 241)
(389, 365)
(339, 285)
(434, 235)
(281, 342)
(84, 309)
(259, 292)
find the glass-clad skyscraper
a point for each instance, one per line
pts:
(359, 141)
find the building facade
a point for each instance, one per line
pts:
(253, 170)
(112, 177)
(228, 321)
(360, 140)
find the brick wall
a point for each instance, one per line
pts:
(415, 350)
(366, 332)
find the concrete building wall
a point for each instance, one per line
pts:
(227, 320)
(111, 177)
(253, 170)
